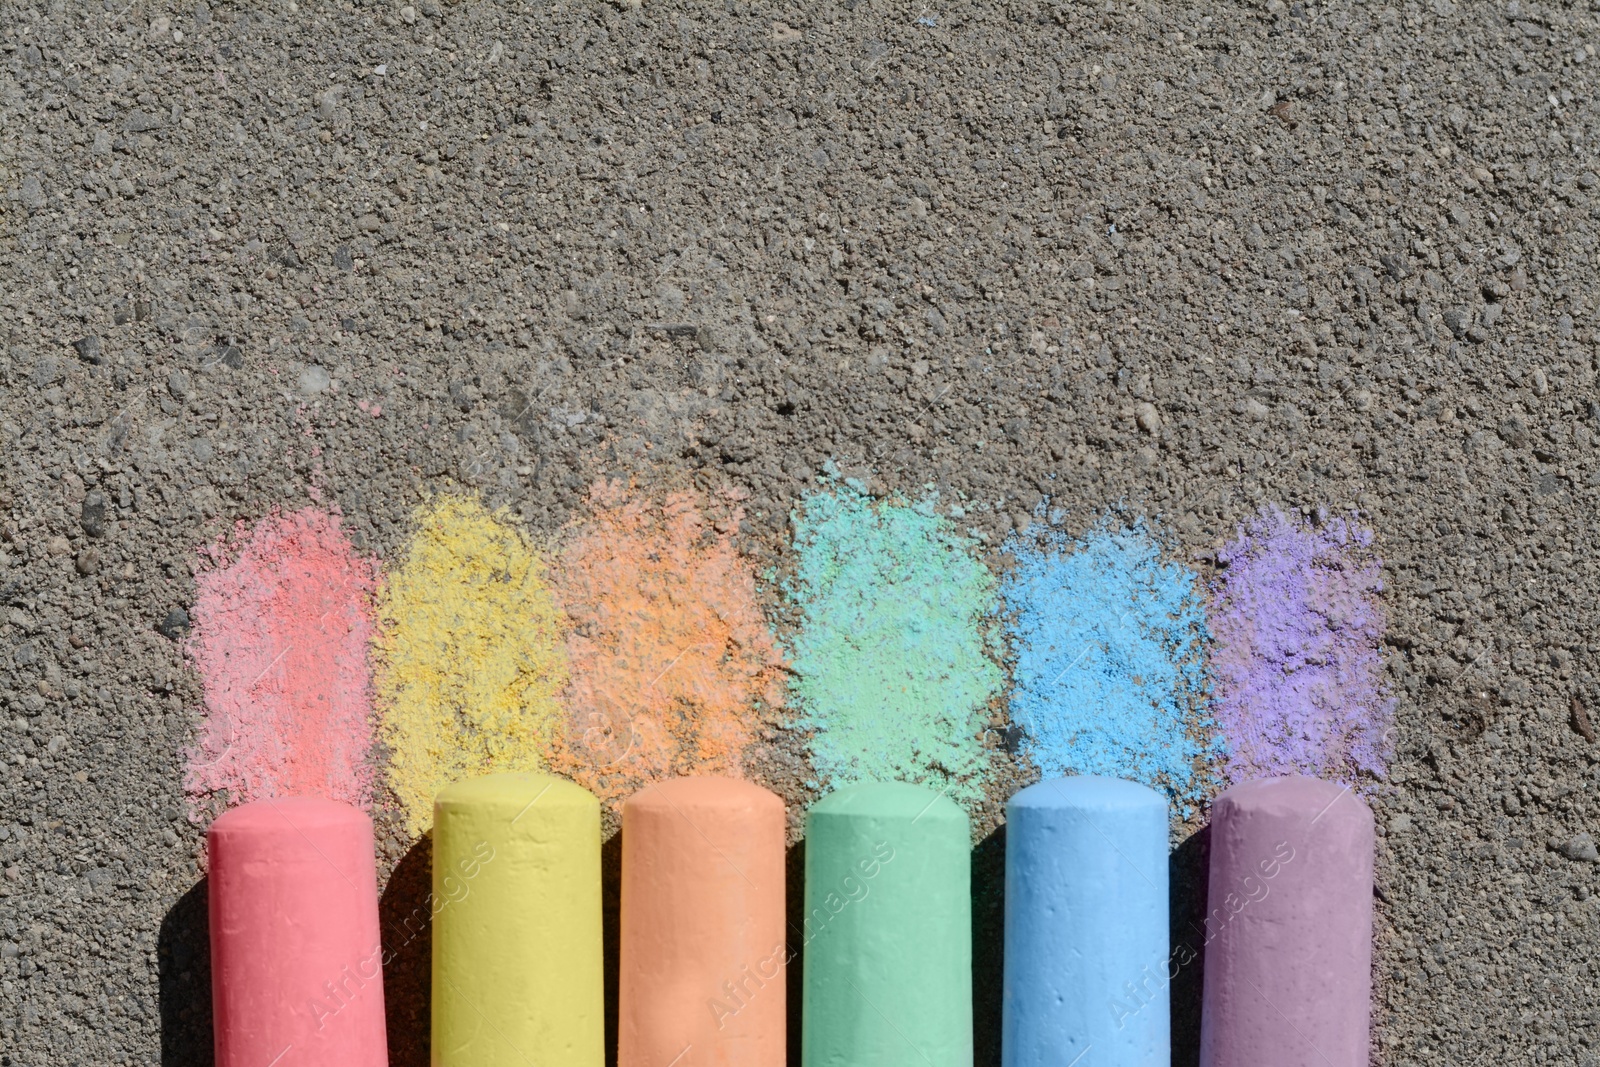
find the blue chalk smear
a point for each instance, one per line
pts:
(1108, 641)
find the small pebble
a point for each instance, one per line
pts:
(33, 197)
(93, 513)
(1148, 418)
(46, 371)
(143, 121)
(1580, 848)
(88, 349)
(314, 380)
(175, 625)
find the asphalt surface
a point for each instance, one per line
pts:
(1346, 254)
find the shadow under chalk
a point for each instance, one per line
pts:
(794, 906)
(988, 945)
(1187, 886)
(611, 934)
(405, 921)
(183, 951)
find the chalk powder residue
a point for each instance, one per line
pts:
(281, 626)
(1108, 640)
(1298, 665)
(891, 662)
(673, 664)
(470, 654)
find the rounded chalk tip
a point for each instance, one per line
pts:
(1293, 795)
(1087, 792)
(889, 800)
(515, 791)
(280, 815)
(703, 792)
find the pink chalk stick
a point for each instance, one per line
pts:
(1288, 962)
(296, 965)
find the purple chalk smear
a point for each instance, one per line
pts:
(1298, 628)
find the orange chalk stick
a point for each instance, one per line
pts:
(296, 965)
(701, 979)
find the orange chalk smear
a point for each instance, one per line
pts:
(672, 663)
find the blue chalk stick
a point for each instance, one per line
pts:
(1086, 950)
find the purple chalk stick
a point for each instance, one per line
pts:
(1289, 935)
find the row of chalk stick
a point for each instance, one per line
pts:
(886, 932)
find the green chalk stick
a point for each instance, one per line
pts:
(888, 930)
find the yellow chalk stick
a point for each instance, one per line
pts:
(516, 927)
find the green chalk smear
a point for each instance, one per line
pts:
(891, 665)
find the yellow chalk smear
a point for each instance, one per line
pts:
(470, 654)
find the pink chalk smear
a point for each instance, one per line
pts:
(282, 620)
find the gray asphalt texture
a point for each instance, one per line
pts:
(1346, 254)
